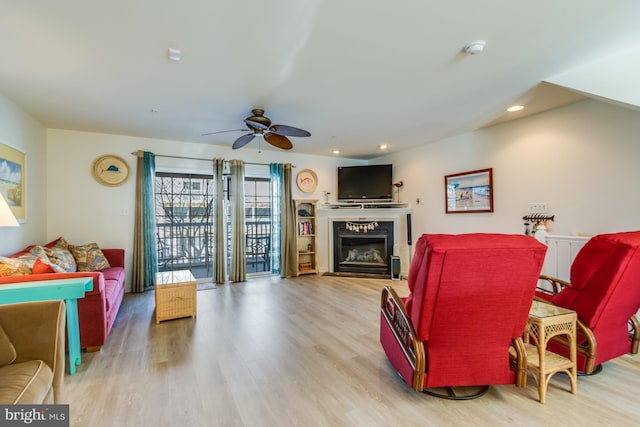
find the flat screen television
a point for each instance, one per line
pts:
(365, 183)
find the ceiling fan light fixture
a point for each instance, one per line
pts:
(383, 146)
(260, 126)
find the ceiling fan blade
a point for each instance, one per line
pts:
(251, 123)
(288, 131)
(224, 131)
(242, 141)
(278, 141)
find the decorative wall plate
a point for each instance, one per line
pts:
(307, 180)
(110, 170)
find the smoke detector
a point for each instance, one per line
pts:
(174, 54)
(474, 47)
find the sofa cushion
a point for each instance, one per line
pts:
(25, 382)
(7, 350)
(89, 257)
(111, 291)
(113, 273)
(59, 254)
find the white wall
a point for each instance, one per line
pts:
(581, 159)
(83, 211)
(20, 131)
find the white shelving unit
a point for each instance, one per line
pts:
(307, 243)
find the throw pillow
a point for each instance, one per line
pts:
(16, 266)
(40, 267)
(59, 254)
(42, 262)
(89, 257)
(57, 242)
(7, 351)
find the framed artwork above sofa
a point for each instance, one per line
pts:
(13, 180)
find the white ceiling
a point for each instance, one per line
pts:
(354, 73)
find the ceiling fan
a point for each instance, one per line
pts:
(260, 126)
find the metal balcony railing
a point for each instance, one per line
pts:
(189, 245)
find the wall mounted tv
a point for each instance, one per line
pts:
(365, 183)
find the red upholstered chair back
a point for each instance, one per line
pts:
(470, 297)
(605, 283)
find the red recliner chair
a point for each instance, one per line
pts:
(604, 290)
(469, 302)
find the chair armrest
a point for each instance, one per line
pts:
(556, 285)
(392, 309)
(37, 331)
(114, 256)
(634, 334)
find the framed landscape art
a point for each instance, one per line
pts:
(469, 191)
(12, 180)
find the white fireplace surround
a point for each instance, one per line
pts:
(327, 216)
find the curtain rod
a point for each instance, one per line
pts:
(135, 153)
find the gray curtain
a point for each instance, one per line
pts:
(219, 258)
(288, 266)
(238, 271)
(145, 256)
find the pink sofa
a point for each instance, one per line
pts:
(98, 309)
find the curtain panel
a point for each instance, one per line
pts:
(288, 240)
(145, 255)
(238, 271)
(275, 174)
(219, 236)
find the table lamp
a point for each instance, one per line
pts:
(7, 218)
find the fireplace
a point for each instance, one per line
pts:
(362, 247)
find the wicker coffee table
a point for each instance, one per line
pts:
(175, 295)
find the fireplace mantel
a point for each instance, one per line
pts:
(329, 213)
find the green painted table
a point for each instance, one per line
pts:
(68, 290)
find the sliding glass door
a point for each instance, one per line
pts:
(185, 223)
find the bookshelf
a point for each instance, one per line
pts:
(306, 223)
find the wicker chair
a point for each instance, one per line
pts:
(604, 290)
(469, 301)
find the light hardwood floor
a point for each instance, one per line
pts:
(302, 352)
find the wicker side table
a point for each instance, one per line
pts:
(175, 295)
(545, 322)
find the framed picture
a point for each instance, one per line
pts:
(469, 191)
(13, 180)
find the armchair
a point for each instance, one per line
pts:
(33, 371)
(604, 290)
(469, 301)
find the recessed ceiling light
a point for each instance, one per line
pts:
(515, 108)
(335, 151)
(383, 147)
